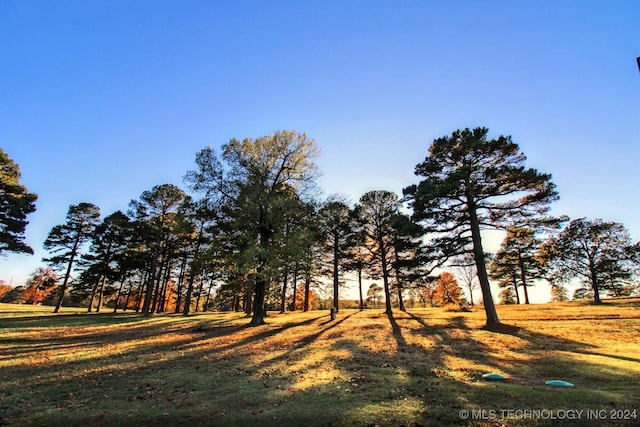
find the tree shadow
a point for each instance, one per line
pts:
(360, 369)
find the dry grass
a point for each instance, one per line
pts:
(417, 368)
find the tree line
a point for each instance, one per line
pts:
(250, 224)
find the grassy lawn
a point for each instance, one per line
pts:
(419, 368)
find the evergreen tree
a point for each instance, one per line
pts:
(336, 229)
(15, 204)
(156, 211)
(108, 245)
(66, 240)
(598, 253)
(518, 257)
(376, 210)
(470, 183)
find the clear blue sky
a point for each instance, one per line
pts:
(101, 100)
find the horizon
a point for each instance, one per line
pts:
(103, 100)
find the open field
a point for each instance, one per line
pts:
(419, 368)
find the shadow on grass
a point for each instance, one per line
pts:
(357, 370)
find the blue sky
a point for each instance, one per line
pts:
(101, 100)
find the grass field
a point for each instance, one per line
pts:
(419, 368)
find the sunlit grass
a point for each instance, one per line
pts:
(416, 368)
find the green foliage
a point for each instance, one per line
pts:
(516, 262)
(599, 253)
(336, 229)
(376, 211)
(64, 241)
(374, 294)
(258, 183)
(14, 295)
(471, 182)
(507, 296)
(157, 215)
(559, 293)
(15, 204)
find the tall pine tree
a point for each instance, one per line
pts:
(471, 183)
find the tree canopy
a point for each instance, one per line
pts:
(65, 240)
(15, 204)
(599, 253)
(471, 182)
(251, 227)
(257, 181)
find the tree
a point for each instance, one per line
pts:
(109, 244)
(304, 298)
(336, 229)
(41, 282)
(374, 294)
(358, 258)
(467, 272)
(507, 296)
(157, 209)
(15, 204)
(411, 257)
(256, 184)
(4, 289)
(598, 253)
(558, 293)
(198, 219)
(447, 290)
(518, 258)
(66, 240)
(14, 295)
(472, 183)
(376, 210)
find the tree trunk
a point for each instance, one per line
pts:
(400, 300)
(523, 278)
(258, 302)
(248, 297)
(336, 282)
(115, 306)
(145, 280)
(187, 297)
(206, 301)
(483, 278)
(515, 287)
(146, 306)
(199, 294)
(595, 285)
(295, 287)
(307, 291)
(283, 297)
(385, 274)
(101, 293)
(93, 296)
(183, 267)
(360, 288)
(63, 288)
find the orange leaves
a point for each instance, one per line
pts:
(447, 290)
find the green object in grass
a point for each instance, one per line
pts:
(493, 377)
(559, 383)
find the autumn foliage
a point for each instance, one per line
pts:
(447, 290)
(40, 285)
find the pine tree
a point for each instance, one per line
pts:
(66, 240)
(15, 204)
(470, 183)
